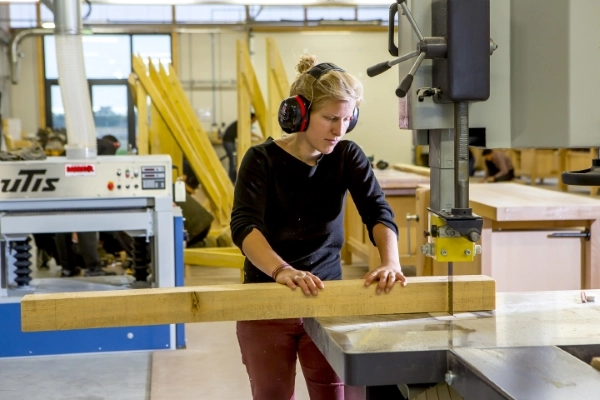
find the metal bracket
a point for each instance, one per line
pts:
(586, 234)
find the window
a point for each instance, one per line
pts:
(22, 15)
(105, 56)
(210, 13)
(155, 47)
(374, 14)
(107, 61)
(57, 108)
(330, 13)
(47, 15)
(112, 13)
(110, 106)
(285, 13)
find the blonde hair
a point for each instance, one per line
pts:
(332, 85)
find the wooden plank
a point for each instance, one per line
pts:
(141, 102)
(163, 98)
(514, 202)
(421, 396)
(159, 96)
(454, 395)
(136, 307)
(201, 137)
(244, 104)
(591, 257)
(424, 171)
(278, 86)
(358, 248)
(443, 392)
(395, 179)
(249, 94)
(213, 257)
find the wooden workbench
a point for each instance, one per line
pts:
(399, 188)
(517, 249)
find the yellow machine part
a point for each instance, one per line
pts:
(450, 249)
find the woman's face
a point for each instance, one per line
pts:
(328, 125)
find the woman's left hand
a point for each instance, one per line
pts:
(387, 276)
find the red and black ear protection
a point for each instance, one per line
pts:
(294, 112)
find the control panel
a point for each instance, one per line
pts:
(104, 176)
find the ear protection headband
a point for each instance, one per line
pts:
(294, 112)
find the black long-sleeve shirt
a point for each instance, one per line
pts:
(299, 208)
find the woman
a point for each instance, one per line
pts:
(288, 220)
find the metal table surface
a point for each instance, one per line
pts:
(419, 348)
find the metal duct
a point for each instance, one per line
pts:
(15, 57)
(81, 130)
(67, 17)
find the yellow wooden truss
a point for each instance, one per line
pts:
(175, 130)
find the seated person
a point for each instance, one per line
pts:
(499, 167)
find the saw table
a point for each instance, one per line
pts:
(536, 345)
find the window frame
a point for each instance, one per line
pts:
(131, 112)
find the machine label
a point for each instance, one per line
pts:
(33, 181)
(80, 170)
(153, 178)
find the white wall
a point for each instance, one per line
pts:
(24, 95)
(377, 131)
(4, 63)
(196, 59)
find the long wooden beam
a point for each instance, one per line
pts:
(81, 310)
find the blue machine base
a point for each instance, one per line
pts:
(15, 343)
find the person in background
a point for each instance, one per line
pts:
(229, 137)
(471, 163)
(499, 167)
(108, 145)
(288, 220)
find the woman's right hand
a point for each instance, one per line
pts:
(294, 278)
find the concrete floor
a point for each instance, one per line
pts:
(209, 368)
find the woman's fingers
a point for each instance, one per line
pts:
(307, 282)
(401, 278)
(387, 279)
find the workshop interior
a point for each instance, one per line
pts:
(117, 182)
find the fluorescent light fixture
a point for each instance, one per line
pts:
(48, 25)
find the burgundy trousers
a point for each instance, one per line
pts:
(269, 349)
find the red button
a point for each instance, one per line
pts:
(111, 186)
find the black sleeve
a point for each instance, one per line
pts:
(366, 192)
(249, 196)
